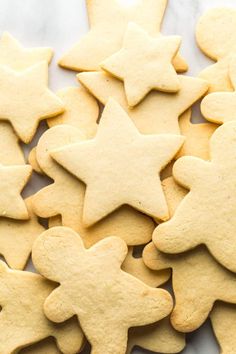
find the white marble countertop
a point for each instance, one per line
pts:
(60, 23)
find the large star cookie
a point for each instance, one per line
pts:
(120, 166)
(65, 197)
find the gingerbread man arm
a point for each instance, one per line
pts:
(189, 169)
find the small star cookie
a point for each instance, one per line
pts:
(121, 300)
(25, 99)
(144, 63)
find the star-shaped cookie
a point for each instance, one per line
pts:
(16, 57)
(198, 282)
(121, 300)
(25, 99)
(120, 166)
(12, 180)
(147, 69)
(159, 112)
(212, 193)
(220, 107)
(22, 319)
(108, 23)
(64, 198)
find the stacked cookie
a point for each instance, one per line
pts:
(127, 169)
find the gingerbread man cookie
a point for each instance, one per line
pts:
(198, 282)
(121, 300)
(212, 193)
(22, 320)
(214, 37)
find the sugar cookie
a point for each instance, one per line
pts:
(103, 39)
(65, 197)
(138, 269)
(198, 281)
(134, 155)
(147, 69)
(17, 238)
(121, 300)
(22, 319)
(197, 137)
(81, 110)
(159, 112)
(223, 319)
(10, 151)
(25, 99)
(158, 337)
(212, 193)
(12, 180)
(214, 37)
(33, 161)
(219, 107)
(18, 58)
(174, 194)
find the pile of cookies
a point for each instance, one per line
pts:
(128, 171)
